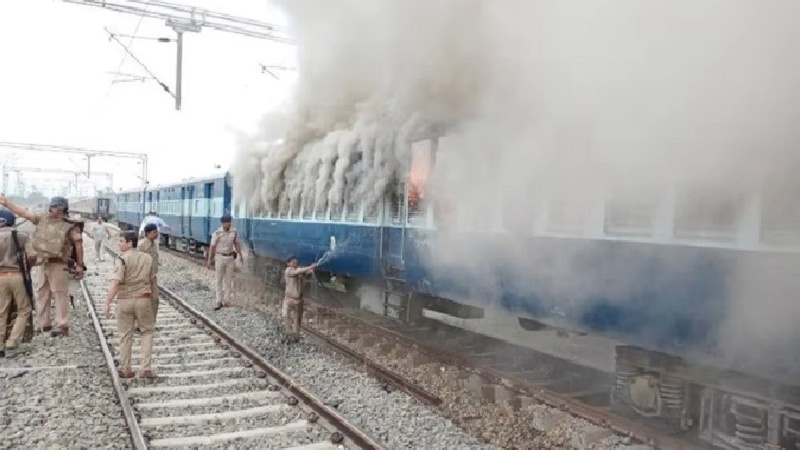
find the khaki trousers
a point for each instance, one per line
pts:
(12, 288)
(154, 297)
(130, 312)
(55, 285)
(292, 313)
(98, 249)
(224, 266)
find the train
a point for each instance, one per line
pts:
(662, 334)
(93, 207)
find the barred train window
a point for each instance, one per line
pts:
(518, 215)
(780, 211)
(705, 213)
(396, 200)
(418, 174)
(353, 209)
(629, 217)
(568, 214)
(372, 212)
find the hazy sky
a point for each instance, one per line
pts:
(55, 88)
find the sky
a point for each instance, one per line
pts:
(56, 89)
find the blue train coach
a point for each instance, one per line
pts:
(192, 209)
(656, 290)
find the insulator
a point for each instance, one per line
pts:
(673, 392)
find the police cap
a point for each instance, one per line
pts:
(225, 218)
(59, 202)
(7, 218)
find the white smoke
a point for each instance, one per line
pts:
(372, 77)
(542, 99)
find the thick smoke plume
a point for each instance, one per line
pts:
(373, 76)
(547, 102)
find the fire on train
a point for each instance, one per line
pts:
(664, 326)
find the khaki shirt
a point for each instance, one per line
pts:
(8, 255)
(224, 241)
(100, 231)
(149, 247)
(295, 282)
(48, 228)
(133, 269)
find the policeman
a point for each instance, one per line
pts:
(292, 308)
(149, 246)
(12, 285)
(56, 241)
(100, 233)
(225, 246)
(130, 285)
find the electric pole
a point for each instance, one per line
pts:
(18, 170)
(142, 157)
(183, 19)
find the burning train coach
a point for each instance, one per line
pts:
(671, 294)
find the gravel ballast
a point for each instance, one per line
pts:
(394, 418)
(57, 393)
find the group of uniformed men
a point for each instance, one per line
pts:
(57, 246)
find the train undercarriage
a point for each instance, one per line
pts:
(722, 408)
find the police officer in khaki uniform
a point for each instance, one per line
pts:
(12, 285)
(149, 245)
(130, 285)
(224, 248)
(55, 241)
(292, 308)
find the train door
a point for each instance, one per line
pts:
(208, 195)
(182, 212)
(103, 207)
(188, 211)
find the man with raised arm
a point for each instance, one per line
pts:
(292, 310)
(57, 241)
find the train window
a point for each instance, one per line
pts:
(321, 212)
(780, 209)
(283, 208)
(337, 211)
(568, 213)
(519, 207)
(307, 212)
(372, 212)
(396, 203)
(707, 213)
(418, 174)
(628, 216)
(353, 209)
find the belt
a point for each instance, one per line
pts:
(226, 254)
(135, 297)
(293, 298)
(10, 272)
(55, 260)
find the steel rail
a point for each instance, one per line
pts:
(378, 371)
(562, 401)
(137, 438)
(355, 435)
(371, 366)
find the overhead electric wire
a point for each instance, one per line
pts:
(152, 75)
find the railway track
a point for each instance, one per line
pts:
(350, 334)
(374, 369)
(211, 390)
